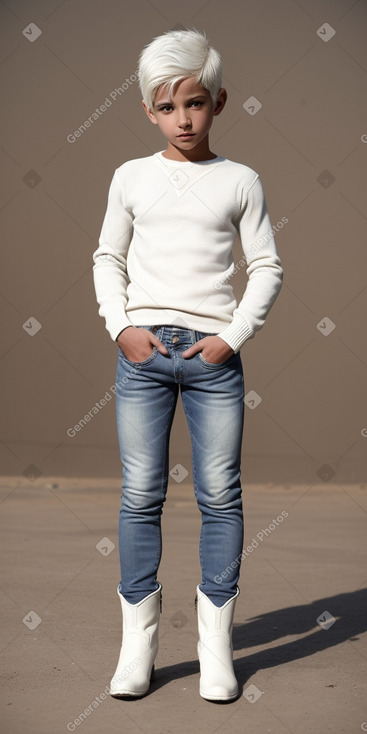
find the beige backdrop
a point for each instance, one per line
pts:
(305, 62)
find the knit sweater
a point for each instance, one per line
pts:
(165, 249)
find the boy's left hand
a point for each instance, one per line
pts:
(214, 349)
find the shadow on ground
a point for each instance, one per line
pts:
(349, 610)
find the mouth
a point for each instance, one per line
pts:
(186, 135)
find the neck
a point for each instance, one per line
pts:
(201, 152)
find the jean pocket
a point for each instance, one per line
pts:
(139, 364)
(210, 365)
(214, 365)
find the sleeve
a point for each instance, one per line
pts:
(264, 269)
(109, 270)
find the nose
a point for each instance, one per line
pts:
(184, 119)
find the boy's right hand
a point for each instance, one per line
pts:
(135, 344)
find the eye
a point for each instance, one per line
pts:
(196, 102)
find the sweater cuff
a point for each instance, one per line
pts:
(236, 334)
(115, 325)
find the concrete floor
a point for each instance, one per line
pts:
(61, 620)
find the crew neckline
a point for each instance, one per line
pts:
(172, 162)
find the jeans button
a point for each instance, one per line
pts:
(175, 338)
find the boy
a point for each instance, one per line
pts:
(162, 278)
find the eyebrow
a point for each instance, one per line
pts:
(190, 99)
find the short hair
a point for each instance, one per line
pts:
(177, 55)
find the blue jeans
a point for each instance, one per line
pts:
(212, 397)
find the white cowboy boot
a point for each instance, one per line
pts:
(139, 645)
(215, 651)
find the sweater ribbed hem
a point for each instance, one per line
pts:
(236, 334)
(116, 324)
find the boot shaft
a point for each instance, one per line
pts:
(143, 616)
(214, 620)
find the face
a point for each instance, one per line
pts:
(186, 118)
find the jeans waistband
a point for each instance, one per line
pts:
(171, 330)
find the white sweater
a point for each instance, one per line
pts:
(165, 249)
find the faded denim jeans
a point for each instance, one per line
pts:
(212, 398)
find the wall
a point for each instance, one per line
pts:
(308, 142)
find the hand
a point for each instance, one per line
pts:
(215, 349)
(135, 343)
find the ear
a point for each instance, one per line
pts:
(149, 113)
(221, 100)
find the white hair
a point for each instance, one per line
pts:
(177, 55)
